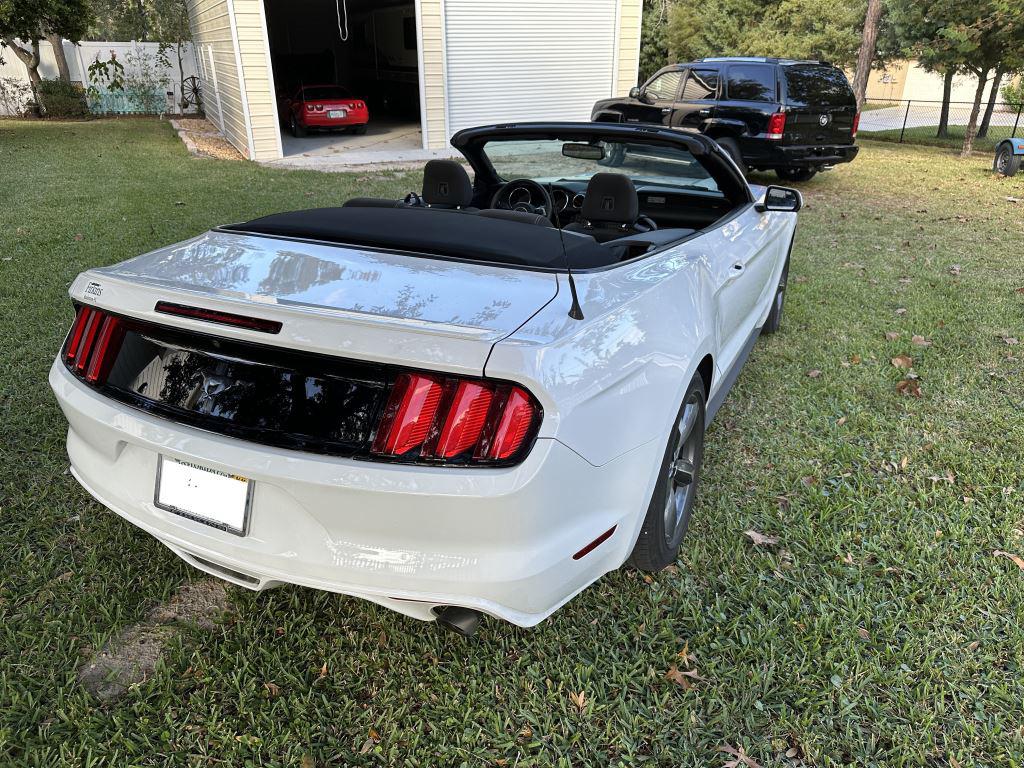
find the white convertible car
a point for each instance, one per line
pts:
(476, 400)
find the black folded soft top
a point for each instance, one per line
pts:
(438, 232)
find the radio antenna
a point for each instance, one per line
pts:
(575, 311)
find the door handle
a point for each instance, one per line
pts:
(703, 112)
(666, 110)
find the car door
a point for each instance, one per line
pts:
(697, 98)
(656, 100)
(746, 274)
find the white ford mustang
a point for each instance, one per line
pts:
(476, 400)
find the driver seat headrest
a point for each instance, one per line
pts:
(446, 184)
(612, 198)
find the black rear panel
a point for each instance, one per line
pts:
(263, 394)
(820, 105)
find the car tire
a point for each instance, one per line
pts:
(359, 130)
(668, 515)
(774, 320)
(733, 149)
(1006, 163)
(298, 130)
(795, 174)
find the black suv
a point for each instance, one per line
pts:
(793, 117)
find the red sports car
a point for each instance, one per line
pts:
(323, 106)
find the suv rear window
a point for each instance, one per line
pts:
(751, 82)
(817, 86)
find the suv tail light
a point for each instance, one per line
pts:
(93, 344)
(856, 125)
(776, 125)
(443, 418)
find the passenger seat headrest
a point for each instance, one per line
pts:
(611, 197)
(446, 184)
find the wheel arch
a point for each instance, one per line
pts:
(706, 369)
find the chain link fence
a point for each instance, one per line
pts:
(915, 121)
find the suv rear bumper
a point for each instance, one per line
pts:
(810, 156)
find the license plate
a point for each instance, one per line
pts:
(336, 113)
(205, 495)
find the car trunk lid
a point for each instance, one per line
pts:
(353, 302)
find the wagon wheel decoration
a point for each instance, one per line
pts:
(191, 93)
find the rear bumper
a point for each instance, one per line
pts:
(811, 156)
(410, 538)
(321, 120)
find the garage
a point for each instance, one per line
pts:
(344, 54)
(423, 69)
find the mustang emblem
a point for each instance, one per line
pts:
(210, 390)
(824, 120)
(442, 188)
(608, 203)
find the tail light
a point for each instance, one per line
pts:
(435, 418)
(318, 107)
(309, 107)
(93, 344)
(776, 125)
(856, 125)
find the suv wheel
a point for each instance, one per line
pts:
(733, 149)
(795, 174)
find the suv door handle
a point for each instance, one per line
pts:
(666, 110)
(703, 112)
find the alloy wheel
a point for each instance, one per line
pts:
(684, 468)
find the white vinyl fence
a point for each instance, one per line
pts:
(141, 63)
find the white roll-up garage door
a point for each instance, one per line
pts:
(512, 60)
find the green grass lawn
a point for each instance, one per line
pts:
(881, 630)
(954, 138)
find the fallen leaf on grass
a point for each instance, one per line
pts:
(372, 740)
(901, 310)
(579, 699)
(323, 671)
(307, 762)
(920, 341)
(813, 373)
(272, 690)
(954, 269)
(910, 387)
(892, 335)
(761, 539)
(902, 361)
(683, 677)
(742, 758)
(863, 634)
(1014, 199)
(1010, 340)
(841, 421)
(79, 237)
(974, 646)
(1017, 559)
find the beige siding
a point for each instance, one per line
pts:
(628, 65)
(432, 24)
(211, 32)
(252, 44)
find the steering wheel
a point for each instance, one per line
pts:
(503, 202)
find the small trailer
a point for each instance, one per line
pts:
(1008, 156)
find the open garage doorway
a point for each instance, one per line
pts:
(334, 61)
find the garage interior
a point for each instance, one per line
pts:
(366, 46)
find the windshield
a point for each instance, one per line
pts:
(554, 160)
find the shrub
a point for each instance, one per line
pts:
(1013, 94)
(63, 100)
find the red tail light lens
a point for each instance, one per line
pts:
(408, 415)
(429, 418)
(216, 316)
(93, 344)
(776, 125)
(856, 125)
(309, 107)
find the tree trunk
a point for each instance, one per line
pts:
(31, 61)
(947, 94)
(972, 124)
(866, 55)
(57, 43)
(993, 95)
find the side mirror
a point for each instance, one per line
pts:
(780, 199)
(634, 92)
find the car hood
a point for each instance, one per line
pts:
(389, 307)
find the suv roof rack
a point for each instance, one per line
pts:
(764, 60)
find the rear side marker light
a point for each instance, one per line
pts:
(222, 318)
(433, 418)
(595, 543)
(93, 344)
(776, 126)
(856, 125)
